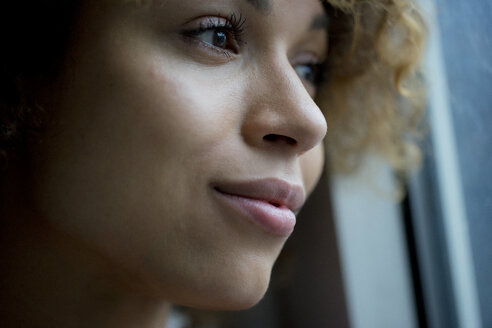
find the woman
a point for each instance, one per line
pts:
(157, 152)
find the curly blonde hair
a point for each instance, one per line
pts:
(373, 99)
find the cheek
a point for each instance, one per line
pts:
(312, 164)
(195, 102)
(133, 154)
(183, 113)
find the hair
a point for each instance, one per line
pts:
(372, 97)
(36, 37)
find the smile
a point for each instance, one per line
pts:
(271, 204)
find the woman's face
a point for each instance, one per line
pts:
(184, 135)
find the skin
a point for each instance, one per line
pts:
(120, 218)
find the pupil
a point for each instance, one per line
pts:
(308, 73)
(310, 76)
(220, 39)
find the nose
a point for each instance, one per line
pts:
(281, 113)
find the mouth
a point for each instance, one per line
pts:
(270, 204)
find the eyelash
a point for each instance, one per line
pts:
(233, 26)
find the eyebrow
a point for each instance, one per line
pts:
(319, 22)
(260, 5)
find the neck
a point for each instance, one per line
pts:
(48, 280)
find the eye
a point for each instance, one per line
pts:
(220, 34)
(310, 73)
(219, 38)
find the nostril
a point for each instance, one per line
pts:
(277, 137)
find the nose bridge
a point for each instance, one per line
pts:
(281, 110)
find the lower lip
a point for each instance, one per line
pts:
(279, 221)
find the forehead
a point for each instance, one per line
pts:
(297, 13)
(260, 5)
(312, 9)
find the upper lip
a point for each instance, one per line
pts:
(275, 191)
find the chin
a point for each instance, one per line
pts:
(243, 297)
(240, 298)
(240, 288)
